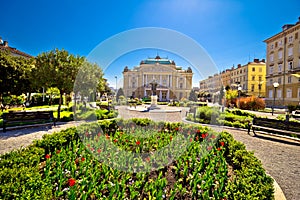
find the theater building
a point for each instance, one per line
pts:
(172, 81)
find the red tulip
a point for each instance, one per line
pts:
(82, 159)
(48, 156)
(99, 150)
(222, 144)
(138, 142)
(147, 159)
(71, 182)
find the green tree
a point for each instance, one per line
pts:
(221, 96)
(14, 74)
(193, 96)
(53, 92)
(120, 93)
(57, 68)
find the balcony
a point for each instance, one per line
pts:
(295, 69)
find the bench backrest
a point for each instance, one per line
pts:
(27, 116)
(278, 124)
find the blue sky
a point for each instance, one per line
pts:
(230, 31)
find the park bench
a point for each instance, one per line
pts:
(27, 118)
(275, 126)
(296, 114)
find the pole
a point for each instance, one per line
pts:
(43, 94)
(116, 84)
(274, 101)
(239, 97)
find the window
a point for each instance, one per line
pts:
(259, 86)
(290, 65)
(260, 69)
(271, 57)
(259, 78)
(289, 79)
(290, 51)
(275, 44)
(278, 93)
(180, 85)
(253, 69)
(253, 78)
(133, 84)
(288, 93)
(280, 43)
(290, 39)
(271, 82)
(296, 36)
(252, 88)
(270, 93)
(279, 54)
(271, 70)
(298, 92)
(279, 67)
(272, 46)
(279, 80)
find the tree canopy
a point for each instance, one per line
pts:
(57, 68)
(14, 74)
(193, 96)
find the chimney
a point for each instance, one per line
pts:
(263, 60)
(239, 65)
(5, 44)
(256, 60)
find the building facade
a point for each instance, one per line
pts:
(13, 51)
(283, 66)
(172, 81)
(250, 77)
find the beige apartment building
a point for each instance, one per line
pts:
(283, 66)
(172, 81)
(250, 77)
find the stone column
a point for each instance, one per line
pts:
(168, 94)
(160, 95)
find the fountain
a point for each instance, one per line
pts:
(153, 96)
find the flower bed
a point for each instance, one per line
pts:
(63, 166)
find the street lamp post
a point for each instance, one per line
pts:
(275, 85)
(239, 91)
(116, 84)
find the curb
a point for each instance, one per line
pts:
(278, 193)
